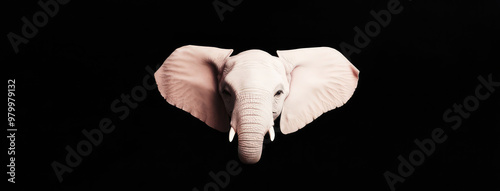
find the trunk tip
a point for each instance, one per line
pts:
(249, 160)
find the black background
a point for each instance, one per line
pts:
(90, 53)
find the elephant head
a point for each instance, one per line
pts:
(245, 93)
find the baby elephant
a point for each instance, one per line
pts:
(245, 93)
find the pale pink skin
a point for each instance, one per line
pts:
(253, 87)
(248, 91)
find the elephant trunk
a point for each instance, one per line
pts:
(250, 147)
(254, 118)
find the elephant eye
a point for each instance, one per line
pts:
(225, 92)
(278, 93)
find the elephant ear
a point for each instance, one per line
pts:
(188, 79)
(321, 79)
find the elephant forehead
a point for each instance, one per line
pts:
(251, 72)
(253, 76)
(254, 59)
(253, 53)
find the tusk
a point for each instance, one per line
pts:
(231, 134)
(271, 133)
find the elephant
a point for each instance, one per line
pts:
(245, 93)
